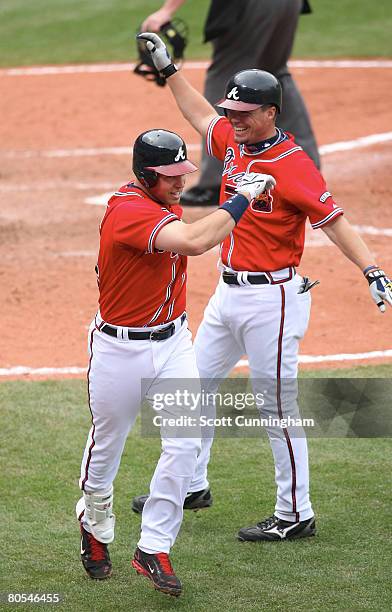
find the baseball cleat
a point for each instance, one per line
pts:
(274, 529)
(193, 501)
(95, 556)
(158, 569)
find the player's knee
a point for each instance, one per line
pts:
(188, 447)
(181, 454)
(194, 445)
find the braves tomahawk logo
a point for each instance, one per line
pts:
(180, 155)
(263, 204)
(233, 94)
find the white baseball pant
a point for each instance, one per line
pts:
(115, 380)
(265, 322)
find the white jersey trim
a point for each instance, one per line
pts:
(127, 193)
(156, 229)
(168, 294)
(334, 213)
(231, 249)
(275, 159)
(170, 311)
(209, 134)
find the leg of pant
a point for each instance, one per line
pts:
(272, 348)
(210, 170)
(237, 50)
(295, 119)
(273, 41)
(263, 39)
(163, 511)
(273, 57)
(114, 399)
(217, 352)
(210, 167)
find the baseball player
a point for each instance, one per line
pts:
(251, 33)
(261, 306)
(139, 338)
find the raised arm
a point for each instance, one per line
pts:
(191, 103)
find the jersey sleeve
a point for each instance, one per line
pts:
(308, 192)
(217, 136)
(138, 223)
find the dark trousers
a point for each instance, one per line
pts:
(262, 38)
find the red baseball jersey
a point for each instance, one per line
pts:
(271, 234)
(138, 284)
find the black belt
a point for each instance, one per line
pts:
(155, 334)
(254, 279)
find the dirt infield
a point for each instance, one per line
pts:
(49, 235)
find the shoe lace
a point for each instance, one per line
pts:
(165, 564)
(267, 522)
(98, 549)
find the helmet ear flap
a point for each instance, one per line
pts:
(148, 178)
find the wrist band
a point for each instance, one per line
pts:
(168, 71)
(236, 206)
(372, 267)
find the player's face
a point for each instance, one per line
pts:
(252, 126)
(168, 189)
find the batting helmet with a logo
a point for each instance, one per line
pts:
(158, 152)
(250, 89)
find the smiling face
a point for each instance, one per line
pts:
(252, 126)
(168, 189)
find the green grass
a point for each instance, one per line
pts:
(367, 371)
(64, 31)
(346, 567)
(59, 31)
(346, 28)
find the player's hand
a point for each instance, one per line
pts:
(155, 21)
(380, 287)
(254, 184)
(159, 53)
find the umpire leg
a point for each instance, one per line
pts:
(263, 38)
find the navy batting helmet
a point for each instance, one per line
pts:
(250, 89)
(159, 152)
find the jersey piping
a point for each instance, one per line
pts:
(209, 133)
(156, 230)
(168, 294)
(328, 218)
(275, 159)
